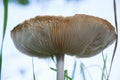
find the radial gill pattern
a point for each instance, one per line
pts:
(79, 35)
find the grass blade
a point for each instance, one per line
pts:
(52, 57)
(34, 78)
(66, 77)
(104, 67)
(116, 43)
(82, 71)
(53, 69)
(74, 69)
(5, 3)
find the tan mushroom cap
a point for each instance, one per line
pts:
(79, 35)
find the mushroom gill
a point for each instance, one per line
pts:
(79, 35)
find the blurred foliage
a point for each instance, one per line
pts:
(21, 2)
(26, 2)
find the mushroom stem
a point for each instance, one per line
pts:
(60, 66)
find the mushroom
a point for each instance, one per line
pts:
(79, 35)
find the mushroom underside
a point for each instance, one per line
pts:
(79, 35)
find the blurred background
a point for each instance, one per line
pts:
(17, 66)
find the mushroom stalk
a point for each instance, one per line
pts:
(79, 35)
(60, 66)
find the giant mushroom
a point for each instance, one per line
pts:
(79, 35)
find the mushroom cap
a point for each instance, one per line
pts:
(79, 35)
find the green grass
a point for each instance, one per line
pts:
(116, 42)
(66, 76)
(34, 78)
(5, 3)
(104, 69)
(82, 71)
